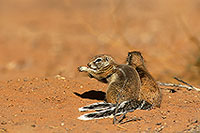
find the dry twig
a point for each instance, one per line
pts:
(187, 86)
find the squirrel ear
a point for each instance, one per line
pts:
(107, 58)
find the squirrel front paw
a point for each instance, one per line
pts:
(82, 69)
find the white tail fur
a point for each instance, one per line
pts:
(108, 110)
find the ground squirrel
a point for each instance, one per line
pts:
(123, 92)
(124, 81)
(149, 91)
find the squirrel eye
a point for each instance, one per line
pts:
(98, 60)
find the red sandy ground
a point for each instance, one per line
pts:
(42, 39)
(50, 105)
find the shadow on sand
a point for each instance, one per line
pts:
(95, 95)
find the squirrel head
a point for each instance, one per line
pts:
(99, 62)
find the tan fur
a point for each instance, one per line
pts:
(124, 82)
(149, 91)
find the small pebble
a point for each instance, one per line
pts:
(62, 124)
(67, 87)
(3, 129)
(25, 79)
(60, 77)
(33, 125)
(3, 123)
(158, 123)
(195, 121)
(63, 78)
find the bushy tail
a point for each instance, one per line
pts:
(98, 115)
(106, 110)
(96, 106)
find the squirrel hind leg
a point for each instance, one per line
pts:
(144, 105)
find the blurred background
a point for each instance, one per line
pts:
(51, 37)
